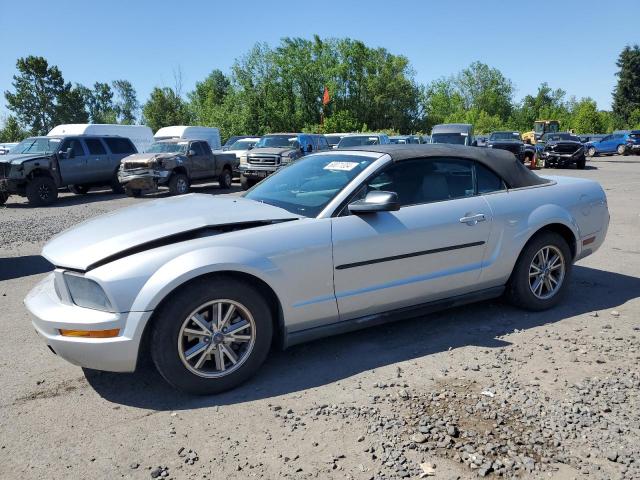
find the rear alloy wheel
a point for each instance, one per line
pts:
(79, 189)
(41, 191)
(225, 179)
(591, 152)
(621, 149)
(539, 278)
(211, 336)
(178, 184)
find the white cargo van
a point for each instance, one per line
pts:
(140, 135)
(209, 134)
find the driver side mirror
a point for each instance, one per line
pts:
(376, 201)
(191, 153)
(68, 153)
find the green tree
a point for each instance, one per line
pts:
(165, 107)
(72, 105)
(100, 104)
(38, 90)
(11, 131)
(485, 89)
(442, 101)
(586, 118)
(125, 105)
(626, 95)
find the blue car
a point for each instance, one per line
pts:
(615, 143)
(633, 142)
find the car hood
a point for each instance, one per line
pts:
(269, 151)
(149, 224)
(147, 158)
(17, 159)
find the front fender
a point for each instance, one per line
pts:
(200, 262)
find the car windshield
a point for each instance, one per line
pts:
(635, 135)
(168, 147)
(37, 145)
(455, 138)
(308, 185)
(333, 139)
(244, 144)
(358, 140)
(498, 136)
(276, 141)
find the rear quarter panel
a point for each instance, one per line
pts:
(518, 214)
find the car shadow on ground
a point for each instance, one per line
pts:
(102, 195)
(17, 267)
(332, 359)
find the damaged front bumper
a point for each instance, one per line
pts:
(561, 158)
(143, 178)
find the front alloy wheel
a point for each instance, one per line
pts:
(211, 334)
(546, 272)
(591, 152)
(621, 149)
(216, 338)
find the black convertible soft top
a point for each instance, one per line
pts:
(502, 162)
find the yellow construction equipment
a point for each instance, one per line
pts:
(540, 127)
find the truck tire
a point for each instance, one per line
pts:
(246, 183)
(116, 187)
(225, 179)
(79, 189)
(541, 274)
(41, 191)
(581, 163)
(4, 196)
(178, 184)
(133, 192)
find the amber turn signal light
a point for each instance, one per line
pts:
(91, 333)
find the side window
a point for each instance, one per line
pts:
(322, 143)
(196, 147)
(120, 145)
(487, 181)
(206, 149)
(95, 146)
(76, 145)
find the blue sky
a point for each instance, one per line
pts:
(570, 44)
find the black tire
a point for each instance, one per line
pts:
(178, 184)
(519, 289)
(622, 150)
(225, 179)
(41, 191)
(4, 196)
(581, 163)
(133, 192)
(246, 183)
(79, 189)
(591, 152)
(116, 186)
(166, 334)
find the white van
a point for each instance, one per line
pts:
(184, 132)
(140, 135)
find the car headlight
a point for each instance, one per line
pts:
(87, 293)
(285, 159)
(243, 160)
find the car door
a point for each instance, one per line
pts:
(73, 168)
(196, 160)
(430, 249)
(605, 145)
(98, 163)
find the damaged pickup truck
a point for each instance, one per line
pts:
(561, 150)
(175, 163)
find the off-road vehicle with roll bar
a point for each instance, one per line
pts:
(38, 166)
(175, 163)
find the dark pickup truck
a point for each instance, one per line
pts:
(175, 163)
(38, 166)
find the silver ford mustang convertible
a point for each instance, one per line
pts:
(334, 242)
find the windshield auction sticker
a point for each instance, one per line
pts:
(344, 166)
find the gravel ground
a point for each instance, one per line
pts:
(486, 390)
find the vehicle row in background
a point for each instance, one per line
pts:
(275, 151)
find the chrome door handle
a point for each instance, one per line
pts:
(473, 219)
